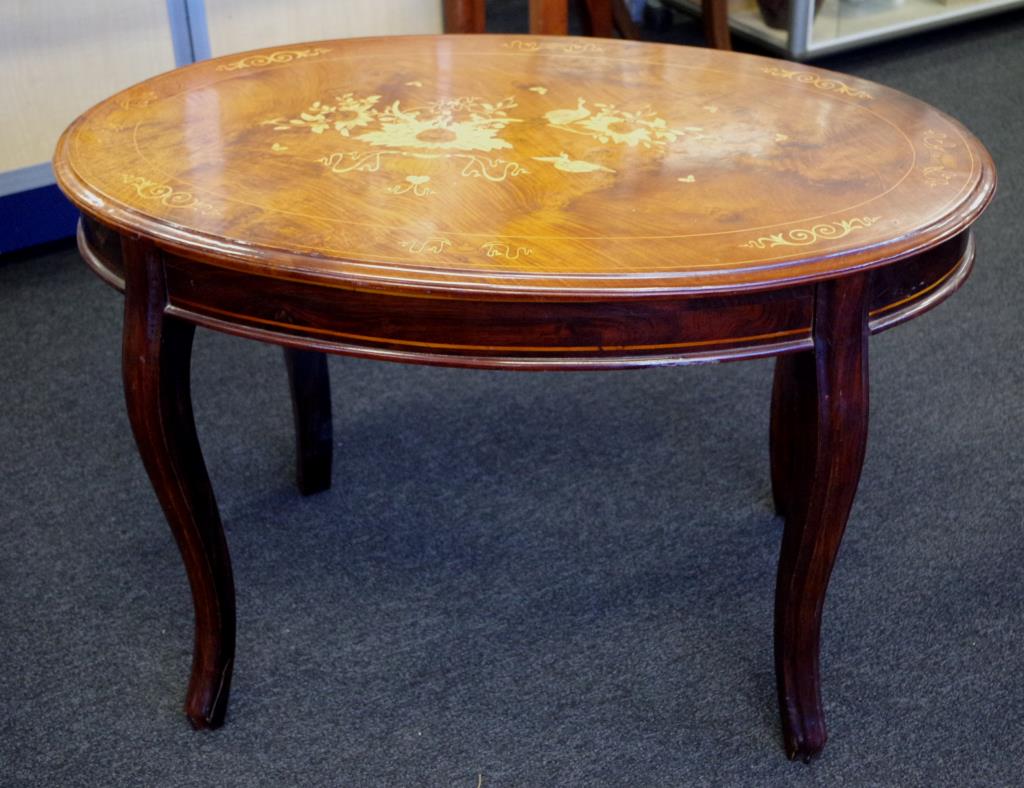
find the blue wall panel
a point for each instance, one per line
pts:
(35, 216)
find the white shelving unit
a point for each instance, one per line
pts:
(845, 24)
(61, 56)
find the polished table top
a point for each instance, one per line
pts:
(496, 164)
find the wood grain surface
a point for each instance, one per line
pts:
(496, 164)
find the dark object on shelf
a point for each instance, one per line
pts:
(775, 13)
(657, 18)
(601, 18)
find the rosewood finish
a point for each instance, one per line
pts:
(157, 352)
(527, 203)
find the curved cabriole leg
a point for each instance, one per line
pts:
(792, 415)
(156, 353)
(827, 406)
(310, 386)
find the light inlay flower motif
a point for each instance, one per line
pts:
(446, 129)
(936, 172)
(818, 81)
(417, 184)
(610, 124)
(273, 58)
(805, 236)
(450, 124)
(343, 115)
(566, 163)
(168, 195)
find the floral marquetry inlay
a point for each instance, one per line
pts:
(807, 236)
(816, 80)
(167, 195)
(565, 163)
(463, 130)
(493, 163)
(610, 124)
(417, 184)
(273, 58)
(138, 100)
(427, 245)
(448, 124)
(935, 171)
(459, 129)
(570, 48)
(436, 245)
(508, 251)
(343, 115)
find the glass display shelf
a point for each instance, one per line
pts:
(845, 24)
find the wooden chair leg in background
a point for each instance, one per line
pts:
(549, 17)
(601, 18)
(310, 386)
(464, 16)
(596, 16)
(715, 15)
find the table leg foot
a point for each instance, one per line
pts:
(157, 351)
(310, 385)
(820, 414)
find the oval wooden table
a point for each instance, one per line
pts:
(524, 203)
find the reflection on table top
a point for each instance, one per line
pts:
(525, 163)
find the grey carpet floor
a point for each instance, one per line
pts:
(526, 580)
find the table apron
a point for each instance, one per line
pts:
(523, 332)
